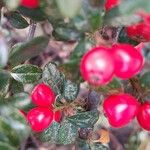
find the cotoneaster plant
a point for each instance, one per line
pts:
(77, 63)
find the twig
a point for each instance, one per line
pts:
(31, 30)
(138, 91)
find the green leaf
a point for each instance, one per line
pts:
(16, 87)
(35, 14)
(71, 90)
(5, 146)
(124, 13)
(4, 82)
(21, 101)
(69, 8)
(17, 21)
(66, 34)
(13, 125)
(145, 80)
(67, 133)
(90, 118)
(22, 52)
(53, 77)
(51, 134)
(3, 52)
(82, 144)
(98, 146)
(26, 73)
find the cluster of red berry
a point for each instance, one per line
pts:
(43, 115)
(99, 65)
(122, 108)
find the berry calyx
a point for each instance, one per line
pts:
(43, 95)
(30, 3)
(143, 116)
(40, 118)
(94, 66)
(57, 116)
(128, 61)
(120, 109)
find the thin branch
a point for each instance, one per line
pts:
(31, 30)
(138, 91)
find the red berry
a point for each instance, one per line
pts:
(57, 116)
(97, 66)
(43, 95)
(120, 109)
(29, 3)
(143, 116)
(40, 118)
(111, 3)
(128, 61)
(141, 29)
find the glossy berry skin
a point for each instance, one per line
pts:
(97, 66)
(29, 3)
(57, 116)
(128, 61)
(43, 95)
(40, 118)
(110, 4)
(143, 116)
(120, 109)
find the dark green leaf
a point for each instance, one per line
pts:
(5, 146)
(17, 21)
(16, 87)
(71, 70)
(90, 118)
(4, 83)
(26, 73)
(35, 14)
(98, 146)
(3, 52)
(67, 133)
(70, 90)
(82, 145)
(22, 52)
(53, 77)
(145, 80)
(51, 134)
(21, 101)
(66, 34)
(13, 124)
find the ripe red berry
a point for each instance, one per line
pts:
(57, 116)
(143, 116)
(29, 3)
(43, 95)
(110, 4)
(120, 109)
(40, 118)
(128, 61)
(140, 30)
(97, 66)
